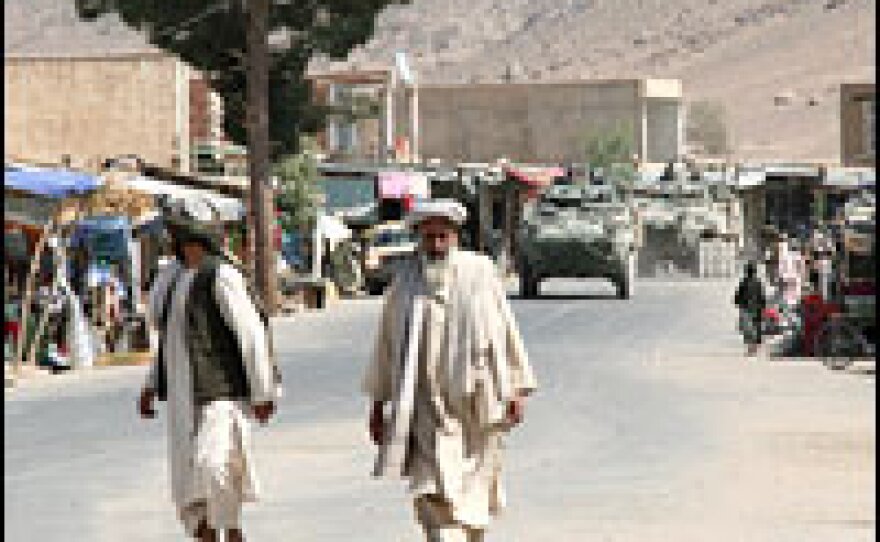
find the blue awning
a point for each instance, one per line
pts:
(53, 183)
(106, 223)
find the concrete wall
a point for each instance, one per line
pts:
(540, 122)
(663, 129)
(94, 107)
(200, 110)
(853, 148)
(754, 211)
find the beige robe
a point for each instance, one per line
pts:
(445, 428)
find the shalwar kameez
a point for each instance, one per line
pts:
(449, 358)
(212, 471)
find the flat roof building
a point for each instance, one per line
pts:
(549, 122)
(82, 92)
(535, 122)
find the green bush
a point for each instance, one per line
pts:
(297, 196)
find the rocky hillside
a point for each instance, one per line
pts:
(775, 65)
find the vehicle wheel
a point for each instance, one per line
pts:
(623, 289)
(647, 265)
(375, 287)
(536, 288)
(528, 284)
(838, 344)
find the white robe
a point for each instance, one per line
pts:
(210, 446)
(792, 272)
(448, 361)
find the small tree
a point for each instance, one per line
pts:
(707, 128)
(298, 191)
(612, 150)
(607, 147)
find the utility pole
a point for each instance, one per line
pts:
(262, 208)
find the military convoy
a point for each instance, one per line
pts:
(577, 231)
(688, 227)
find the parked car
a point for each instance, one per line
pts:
(386, 244)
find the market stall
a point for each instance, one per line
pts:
(102, 242)
(37, 206)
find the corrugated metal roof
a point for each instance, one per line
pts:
(791, 170)
(850, 177)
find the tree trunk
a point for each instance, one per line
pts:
(262, 208)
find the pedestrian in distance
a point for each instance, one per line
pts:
(214, 372)
(823, 258)
(448, 379)
(750, 300)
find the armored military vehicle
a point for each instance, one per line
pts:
(680, 222)
(577, 231)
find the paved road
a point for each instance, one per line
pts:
(649, 426)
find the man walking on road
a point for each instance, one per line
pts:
(750, 300)
(213, 369)
(451, 367)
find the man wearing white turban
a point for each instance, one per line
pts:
(451, 371)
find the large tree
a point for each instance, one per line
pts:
(211, 36)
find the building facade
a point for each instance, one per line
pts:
(546, 122)
(858, 138)
(549, 122)
(205, 112)
(371, 114)
(83, 110)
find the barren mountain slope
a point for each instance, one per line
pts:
(739, 52)
(52, 28)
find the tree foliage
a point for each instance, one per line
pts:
(611, 151)
(210, 35)
(707, 128)
(605, 148)
(298, 191)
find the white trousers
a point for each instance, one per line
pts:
(219, 469)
